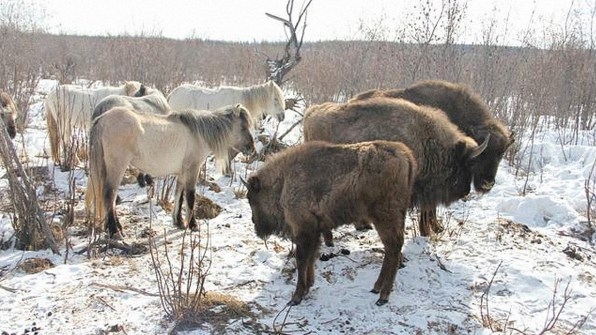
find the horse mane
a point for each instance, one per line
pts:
(215, 127)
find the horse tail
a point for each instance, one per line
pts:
(94, 200)
(50, 109)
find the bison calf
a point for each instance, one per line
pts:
(312, 188)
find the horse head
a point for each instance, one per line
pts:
(8, 112)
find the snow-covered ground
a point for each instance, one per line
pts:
(504, 256)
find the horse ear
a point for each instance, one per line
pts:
(238, 109)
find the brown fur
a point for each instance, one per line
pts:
(317, 186)
(444, 154)
(466, 109)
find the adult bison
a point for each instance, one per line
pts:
(469, 113)
(447, 158)
(312, 188)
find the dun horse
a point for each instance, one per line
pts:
(146, 100)
(69, 108)
(173, 144)
(8, 112)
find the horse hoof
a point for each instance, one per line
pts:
(381, 302)
(141, 180)
(375, 291)
(148, 180)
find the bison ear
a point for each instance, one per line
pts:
(254, 184)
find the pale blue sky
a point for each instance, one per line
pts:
(244, 20)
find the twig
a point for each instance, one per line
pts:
(11, 290)
(125, 288)
(103, 301)
(442, 266)
(486, 319)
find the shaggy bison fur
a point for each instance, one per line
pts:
(312, 188)
(446, 157)
(466, 109)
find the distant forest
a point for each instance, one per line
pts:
(557, 79)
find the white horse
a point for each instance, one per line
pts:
(69, 108)
(260, 100)
(176, 143)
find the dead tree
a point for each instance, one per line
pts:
(31, 226)
(278, 68)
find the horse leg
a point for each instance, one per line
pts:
(231, 155)
(114, 227)
(178, 199)
(190, 208)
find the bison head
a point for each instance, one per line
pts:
(485, 164)
(267, 215)
(462, 175)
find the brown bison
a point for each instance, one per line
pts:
(470, 114)
(446, 157)
(312, 188)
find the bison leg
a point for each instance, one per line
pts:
(428, 223)
(391, 231)
(307, 244)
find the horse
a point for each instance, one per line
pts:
(145, 100)
(8, 113)
(173, 144)
(260, 100)
(68, 108)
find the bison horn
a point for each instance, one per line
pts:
(480, 149)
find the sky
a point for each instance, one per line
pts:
(240, 20)
(522, 250)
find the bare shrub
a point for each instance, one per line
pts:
(181, 284)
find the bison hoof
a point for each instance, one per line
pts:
(375, 291)
(381, 302)
(329, 243)
(344, 252)
(118, 200)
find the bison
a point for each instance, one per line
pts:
(470, 114)
(314, 187)
(447, 158)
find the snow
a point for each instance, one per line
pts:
(517, 247)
